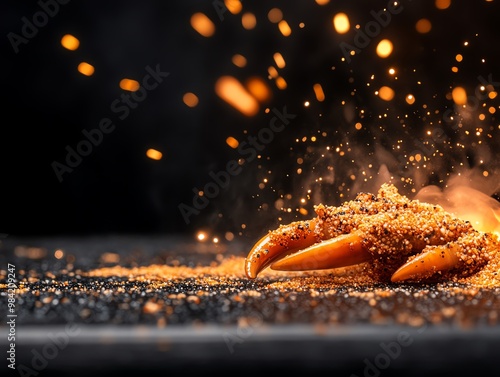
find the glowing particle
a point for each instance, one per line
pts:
(232, 142)
(215, 240)
(303, 211)
(273, 72)
(485, 173)
(58, 254)
(258, 88)
(358, 126)
(423, 26)
(86, 69)
(278, 58)
(202, 24)
(318, 91)
(154, 154)
(459, 57)
(341, 23)
(248, 21)
(281, 83)
(392, 71)
(492, 95)
(442, 4)
(454, 69)
(275, 15)
(234, 6)
(129, 85)
(201, 236)
(230, 90)
(410, 99)
(229, 236)
(386, 93)
(190, 99)
(70, 42)
(306, 104)
(459, 95)
(239, 60)
(384, 48)
(284, 28)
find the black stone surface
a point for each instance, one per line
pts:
(71, 324)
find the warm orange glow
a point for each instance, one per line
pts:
(341, 23)
(234, 6)
(86, 69)
(423, 26)
(239, 60)
(322, 2)
(386, 93)
(281, 83)
(202, 24)
(278, 58)
(459, 95)
(258, 88)
(154, 154)
(459, 57)
(410, 99)
(497, 217)
(58, 254)
(358, 126)
(201, 236)
(275, 15)
(232, 142)
(231, 91)
(384, 48)
(190, 99)
(318, 91)
(248, 21)
(284, 28)
(129, 85)
(70, 42)
(442, 4)
(272, 72)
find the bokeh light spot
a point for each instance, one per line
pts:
(70, 42)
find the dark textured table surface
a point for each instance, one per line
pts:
(162, 305)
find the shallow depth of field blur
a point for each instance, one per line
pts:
(187, 92)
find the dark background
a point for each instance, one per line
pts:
(46, 103)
